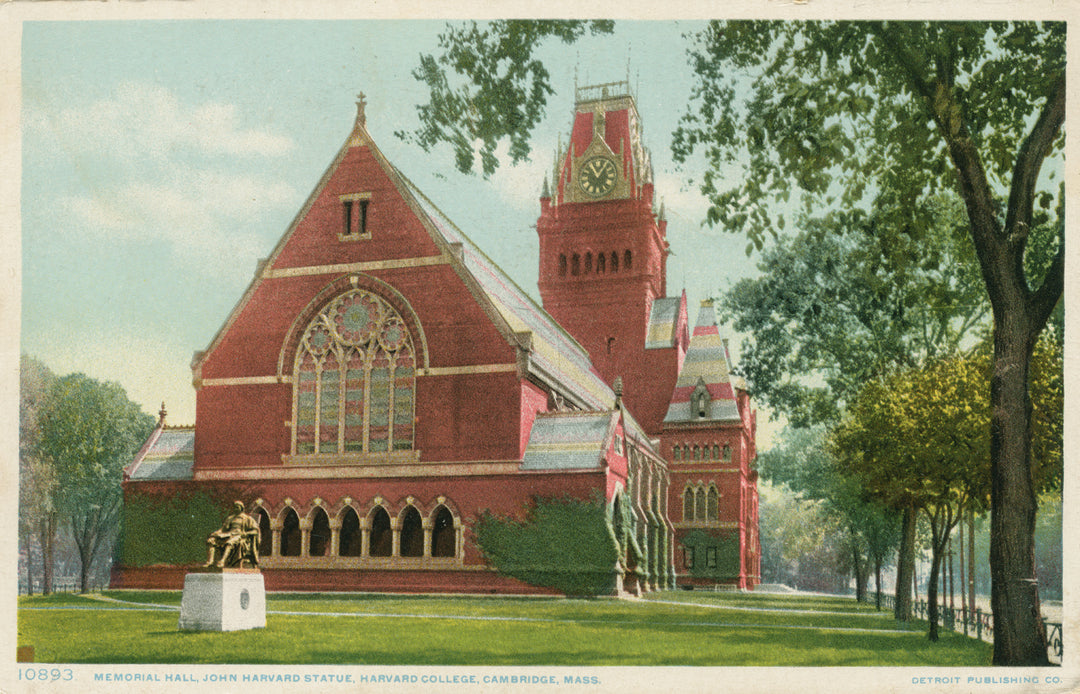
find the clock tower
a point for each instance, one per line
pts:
(603, 251)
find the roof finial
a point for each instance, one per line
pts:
(361, 102)
(617, 386)
(161, 414)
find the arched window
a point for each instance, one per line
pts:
(614, 261)
(412, 533)
(675, 451)
(716, 451)
(575, 264)
(601, 260)
(381, 538)
(627, 258)
(349, 540)
(562, 265)
(713, 509)
(355, 378)
(688, 505)
(266, 535)
(443, 541)
(319, 541)
(699, 505)
(588, 262)
(290, 534)
(727, 453)
(697, 453)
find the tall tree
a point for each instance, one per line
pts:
(89, 431)
(37, 481)
(804, 463)
(880, 114)
(849, 112)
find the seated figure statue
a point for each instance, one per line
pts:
(237, 540)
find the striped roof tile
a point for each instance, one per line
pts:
(707, 367)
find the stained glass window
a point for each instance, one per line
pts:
(355, 379)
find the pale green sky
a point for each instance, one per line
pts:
(162, 159)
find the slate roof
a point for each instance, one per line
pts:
(169, 454)
(554, 351)
(662, 320)
(707, 364)
(569, 440)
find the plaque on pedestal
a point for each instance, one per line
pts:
(223, 600)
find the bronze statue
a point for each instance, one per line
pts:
(238, 540)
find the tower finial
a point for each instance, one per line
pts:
(361, 102)
(161, 414)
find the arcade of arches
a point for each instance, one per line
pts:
(348, 536)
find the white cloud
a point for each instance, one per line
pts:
(142, 120)
(196, 211)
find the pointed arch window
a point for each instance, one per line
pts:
(713, 504)
(266, 535)
(355, 379)
(319, 542)
(443, 539)
(412, 533)
(688, 504)
(290, 534)
(381, 537)
(349, 542)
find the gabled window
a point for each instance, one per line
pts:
(699, 401)
(354, 216)
(354, 379)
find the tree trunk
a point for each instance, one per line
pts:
(905, 566)
(860, 572)
(932, 606)
(877, 583)
(1019, 634)
(28, 549)
(971, 561)
(960, 568)
(48, 545)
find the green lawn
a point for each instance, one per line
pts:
(672, 628)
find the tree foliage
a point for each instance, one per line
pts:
(851, 297)
(805, 464)
(37, 480)
(503, 93)
(89, 432)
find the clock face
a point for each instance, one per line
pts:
(597, 176)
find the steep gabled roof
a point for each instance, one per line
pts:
(554, 356)
(707, 368)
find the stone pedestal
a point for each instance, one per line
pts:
(227, 600)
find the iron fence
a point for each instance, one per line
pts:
(977, 623)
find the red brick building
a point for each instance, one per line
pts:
(381, 383)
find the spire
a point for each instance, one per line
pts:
(660, 216)
(361, 102)
(546, 192)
